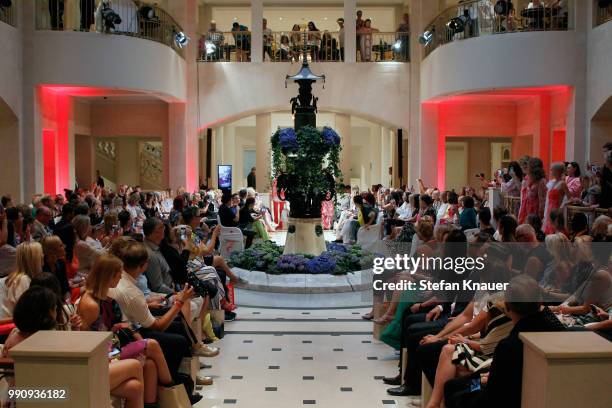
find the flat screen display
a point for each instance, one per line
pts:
(225, 176)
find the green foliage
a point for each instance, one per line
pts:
(311, 165)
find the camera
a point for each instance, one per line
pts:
(183, 233)
(200, 287)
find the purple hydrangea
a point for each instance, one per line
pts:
(288, 140)
(321, 264)
(330, 136)
(334, 246)
(291, 263)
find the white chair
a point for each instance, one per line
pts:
(370, 239)
(230, 240)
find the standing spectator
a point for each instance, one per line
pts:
(297, 41)
(252, 179)
(99, 179)
(358, 25)
(365, 40)
(268, 39)
(572, 180)
(557, 191)
(533, 192)
(313, 39)
(242, 39)
(329, 48)
(216, 38)
(340, 22)
(285, 53)
(403, 37)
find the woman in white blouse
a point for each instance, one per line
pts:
(29, 263)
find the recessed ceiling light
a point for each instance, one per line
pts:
(280, 18)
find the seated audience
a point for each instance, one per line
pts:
(29, 262)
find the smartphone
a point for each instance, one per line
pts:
(168, 296)
(114, 353)
(475, 384)
(183, 233)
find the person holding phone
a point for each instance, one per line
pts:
(169, 331)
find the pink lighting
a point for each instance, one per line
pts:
(540, 112)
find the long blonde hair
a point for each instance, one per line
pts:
(29, 262)
(102, 273)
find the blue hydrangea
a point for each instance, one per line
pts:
(288, 140)
(334, 246)
(330, 136)
(321, 264)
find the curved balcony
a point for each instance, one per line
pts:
(289, 46)
(603, 12)
(479, 18)
(125, 17)
(8, 14)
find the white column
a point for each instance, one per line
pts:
(215, 157)
(256, 30)
(374, 155)
(263, 125)
(203, 177)
(343, 127)
(350, 34)
(183, 126)
(385, 157)
(421, 14)
(32, 164)
(229, 154)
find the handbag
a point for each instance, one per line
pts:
(173, 397)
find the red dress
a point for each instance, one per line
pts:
(533, 199)
(553, 202)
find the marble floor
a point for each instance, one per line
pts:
(300, 355)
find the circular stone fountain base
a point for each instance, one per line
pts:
(306, 283)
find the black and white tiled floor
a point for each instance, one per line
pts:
(300, 357)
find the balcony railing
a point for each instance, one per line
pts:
(8, 13)
(290, 46)
(603, 10)
(478, 18)
(124, 17)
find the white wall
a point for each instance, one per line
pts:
(108, 61)
(599, 82)
(503, 61)
(376, 91)
(10, 67)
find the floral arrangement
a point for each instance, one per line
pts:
(338, 259)
(305, 164)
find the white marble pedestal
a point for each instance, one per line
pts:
(304, 240)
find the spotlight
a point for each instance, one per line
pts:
(210, 47)
(180, 39)
(502, 7)
(398, 44)
(457, 24)
(426, 38)
(109, 17)
(147, 12)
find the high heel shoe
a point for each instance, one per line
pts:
(384, 319)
